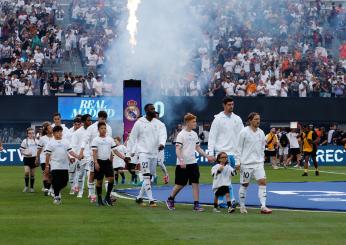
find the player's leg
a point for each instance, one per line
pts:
(32, 179)
(26, 178)
(314, 160)
(116, 176)
(245, 177)
(121, 172)
(99, 177)
(153, 173)
(72, 171)
(81, 177)
(91, 181)
(231, 161)
(108, 170)
(193, 176)
(145, 161)
(216, 205)
(306, 163)
(260, 177)
(181, 179)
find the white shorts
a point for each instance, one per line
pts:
(246, 174)
(72, 167)
(283, 151)
(118, 164)
(147, 163)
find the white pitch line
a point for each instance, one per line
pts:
(321, 171)
(209, 205)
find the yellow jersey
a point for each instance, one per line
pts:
(307, 142)
(271, 141)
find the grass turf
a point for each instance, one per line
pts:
(31, 218)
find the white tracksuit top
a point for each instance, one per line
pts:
(224, 133)
(146, 137)
(250, 149)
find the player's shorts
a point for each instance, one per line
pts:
(147, 163)
(106, 169)
(43, 166)
(247, 173)
(30, 162)
(118, 169)
(221, 191)
(270, 153)
(308, 153)
(283, 151)
(294, 151)
(190, 174)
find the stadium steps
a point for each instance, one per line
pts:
(67, 65)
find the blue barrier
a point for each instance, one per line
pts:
(326, 156)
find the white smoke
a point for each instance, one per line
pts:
(168, 36)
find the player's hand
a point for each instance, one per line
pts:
(237, 167)
(127, 160)
(97, 166)
(72, 160)
(36, 162)
(221, 168)
(161, 147)
(182, 163)
(211, 159)
(81, 156)
(166, 179)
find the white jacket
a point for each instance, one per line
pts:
(146, 137)
(224, 133)
(250, 149)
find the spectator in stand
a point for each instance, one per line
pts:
(98, 86)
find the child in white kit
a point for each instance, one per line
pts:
(222, 173)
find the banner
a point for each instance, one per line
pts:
(69, 107)
(326, 155)
(132, 104)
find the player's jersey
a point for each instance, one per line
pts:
(251, 146)
(307, 146)
(42, 144)
(104, 147)
(145, 137)
(223, 178)
(29, 146)
(117, 161)
(272, 141)
(59, 149)
(188, 141)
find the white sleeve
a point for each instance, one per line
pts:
(163, 134)
(179, 139)
(212, 137)
(239, 148)
(49, 149)
(214, 170)
(131, 143)
(23, 145)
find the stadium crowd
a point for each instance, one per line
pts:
(31, 38)
(253, 48)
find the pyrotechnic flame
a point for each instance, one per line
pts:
(132, 6)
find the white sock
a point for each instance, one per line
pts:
(242, 195)
(106, 184)
(262, 195)
(141, 192)
(91, 188)
(147, 187)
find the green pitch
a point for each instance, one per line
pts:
(31, 218)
